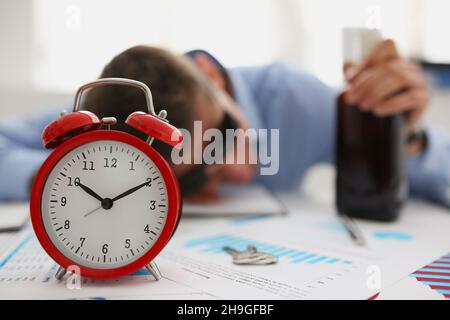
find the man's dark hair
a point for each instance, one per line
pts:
(174, 81)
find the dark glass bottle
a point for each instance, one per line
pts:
(371, 181)
(370, 161)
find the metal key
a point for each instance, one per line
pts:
(251, 256)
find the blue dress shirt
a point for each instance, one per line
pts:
(279, 96)
(275, 96)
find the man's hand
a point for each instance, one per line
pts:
(386, 84)
(219, 174)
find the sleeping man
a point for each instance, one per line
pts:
(287, 117)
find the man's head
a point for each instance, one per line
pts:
(189, 89)
(175, 84)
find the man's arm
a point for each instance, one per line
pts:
(21, 154)
(387, 84)
(429, 172)
(304, 109)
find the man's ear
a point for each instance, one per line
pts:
(210, 70)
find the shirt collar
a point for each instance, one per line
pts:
(240, 89)
(243, 96)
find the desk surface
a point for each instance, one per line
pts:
(317, 259)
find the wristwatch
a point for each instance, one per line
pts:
(415, 136)
(417, 141)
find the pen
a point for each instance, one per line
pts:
(352, 229)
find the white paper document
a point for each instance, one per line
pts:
(27, 272)
(317, 260)
(239, 200)
(13, 215)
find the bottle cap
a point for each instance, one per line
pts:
(358, 43)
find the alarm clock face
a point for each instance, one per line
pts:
(104, 204)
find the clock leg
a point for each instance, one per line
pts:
(154, 270)
(60, 273)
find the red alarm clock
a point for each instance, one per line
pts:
(104, 200)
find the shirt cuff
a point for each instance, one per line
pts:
(16, 172)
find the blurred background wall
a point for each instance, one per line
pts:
(50, 47)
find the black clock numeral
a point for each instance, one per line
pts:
(63, 201)
(131, 166)
(149, 180)
(82, 241)
(152, 204)
(105, 248)
(127, 243)
(88, 165)
(110, 163)
(73, 181)
(67, 224)
(147, 229)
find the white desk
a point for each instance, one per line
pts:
(190, 272)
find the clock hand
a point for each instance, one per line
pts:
(92, 211)
(90, 192)
(130, 191)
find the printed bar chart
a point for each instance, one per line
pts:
(214, 244)
(27, 262)
(436, 275)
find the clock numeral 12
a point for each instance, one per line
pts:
(110, 163)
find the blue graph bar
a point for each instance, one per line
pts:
(297, 254)
(435, 283)
(332, 260)
(288, 252)
(16, 250)
(304, 258)
(141, 272)
(316, 260)
(265, 246)
(439, 265)
(435, 270)
(431, 276)
(442, 291)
